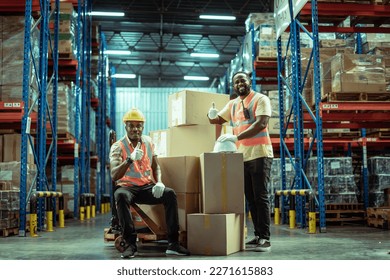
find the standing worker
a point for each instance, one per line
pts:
(249, 113)
(136, 173)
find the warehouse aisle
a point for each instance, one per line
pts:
(84, 241)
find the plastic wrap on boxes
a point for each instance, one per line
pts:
(358, 73)
(378, 165)
(376, 199)
(379, 182)
(9, 219)
(9, 200)
(332, 166)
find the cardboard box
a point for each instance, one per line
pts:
(358, 73)
(191, 107)
(187, 203)
(159, 138)
(181, 173)
(214, 234)
(364, 82)
(222, 183)
(12, 148)
(192, 140)
(10, 174)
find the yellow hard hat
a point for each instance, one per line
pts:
(134, 115)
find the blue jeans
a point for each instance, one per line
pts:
(256, 179)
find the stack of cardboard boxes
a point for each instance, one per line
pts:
(209, 186)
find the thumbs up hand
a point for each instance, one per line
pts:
(213, 112)
(138, 153)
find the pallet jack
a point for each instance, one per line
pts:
(147, 229)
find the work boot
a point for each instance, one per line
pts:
(176, 249)
(130, 251)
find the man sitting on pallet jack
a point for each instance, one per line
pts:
(136, 173)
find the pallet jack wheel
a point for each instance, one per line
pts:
(120, 244)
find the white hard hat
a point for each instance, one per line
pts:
(225, 147)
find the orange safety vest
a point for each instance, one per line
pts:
(140, 171)
(239, 123)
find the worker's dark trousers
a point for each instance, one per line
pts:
(125, 196)
(257, 176)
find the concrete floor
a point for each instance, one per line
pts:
(83, 240)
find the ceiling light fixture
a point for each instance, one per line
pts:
(196, 78)
(117, 52)
(124, 76)
(209, 55)
(108, 14)
(217, 17)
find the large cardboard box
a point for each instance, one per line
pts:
(10, 174)
(192, 140)
(12, 148)
(189, 107)
(181, 173)
(159, 138)
(358, 73)
(222, 183)
(214, 234)
(187, 203)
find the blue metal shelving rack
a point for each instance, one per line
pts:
(101, 137)
(83, 103)
(39, 66)
(112, 98)
(292, 84)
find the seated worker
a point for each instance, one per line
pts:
(137, 175)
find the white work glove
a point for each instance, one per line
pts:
(213, 112)
(227, 137)
(137, 154)
(158, 190)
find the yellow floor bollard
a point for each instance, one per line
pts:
(88, 212)
(33, 225)
(49, 221)
(61, 218)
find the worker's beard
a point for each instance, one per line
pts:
(244, 90)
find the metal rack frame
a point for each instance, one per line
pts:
(83, 95)
(41, 153)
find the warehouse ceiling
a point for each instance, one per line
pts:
(162, 34)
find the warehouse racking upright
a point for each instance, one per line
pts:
(82, 159)
(39, 66)
(47, 75)
(360, 115)
(103, 121)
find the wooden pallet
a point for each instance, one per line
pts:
(357, 96)
(379, 212)
(344, 206)
(5, 232)
(380, 134)
(61, 135)
(351, 134)
(66, 56)
(343, 213)
(378, 223)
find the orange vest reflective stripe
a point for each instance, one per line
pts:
(239, 123)
(140, 171)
